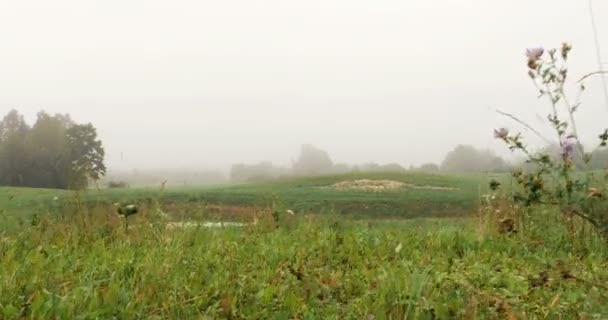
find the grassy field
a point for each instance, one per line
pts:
(79, 262)
(304, 195)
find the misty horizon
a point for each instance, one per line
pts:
(208, 85)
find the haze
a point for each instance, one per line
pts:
(211, 83)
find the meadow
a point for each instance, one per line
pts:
(425, 251)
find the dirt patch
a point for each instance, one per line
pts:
(380, 186)
(194, 224)
(200, 211)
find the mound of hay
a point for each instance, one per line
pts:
(369, 185)
(380, 186)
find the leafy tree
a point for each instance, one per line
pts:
(85, 155)
(13, 154)
(49, 151)
(312, 161)
(54, 153)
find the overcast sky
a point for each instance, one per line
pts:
(208, 83)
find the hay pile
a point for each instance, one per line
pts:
(368, 185)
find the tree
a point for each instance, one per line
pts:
(13, 154)
(428, 167)
(49, 152)
(85, 156)
(465, 158)
(312, 161)
(54, 153)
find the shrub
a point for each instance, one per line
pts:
(118, 185)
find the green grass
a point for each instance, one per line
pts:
(79, 262)
(87, 268)
(304, 195)
(30, 201)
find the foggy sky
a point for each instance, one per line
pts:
(208, 83)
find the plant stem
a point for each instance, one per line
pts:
(523, 124)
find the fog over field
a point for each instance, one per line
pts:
(211, 83)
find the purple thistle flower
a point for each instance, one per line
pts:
(501, 133)
(568, 147)
(534, 53)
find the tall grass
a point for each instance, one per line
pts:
(85, 265)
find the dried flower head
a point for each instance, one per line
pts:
(604, 138)
(501, 133)
(565, 50)
(534, 55)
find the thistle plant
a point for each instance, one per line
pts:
(564, 180)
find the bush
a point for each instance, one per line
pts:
(118, 185)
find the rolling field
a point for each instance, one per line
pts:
(303, 195)
(79, 261)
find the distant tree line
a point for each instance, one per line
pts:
(466, 158)
(598, 158)
(462, 159)
(257, 172)
(311, 161)
(55, 152)
(120, 179)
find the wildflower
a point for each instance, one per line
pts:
(534, 54)
(568, 146)
(501, 133)
(566, 47)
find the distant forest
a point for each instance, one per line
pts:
(57, 152)
(54, 152)
(462, 159)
